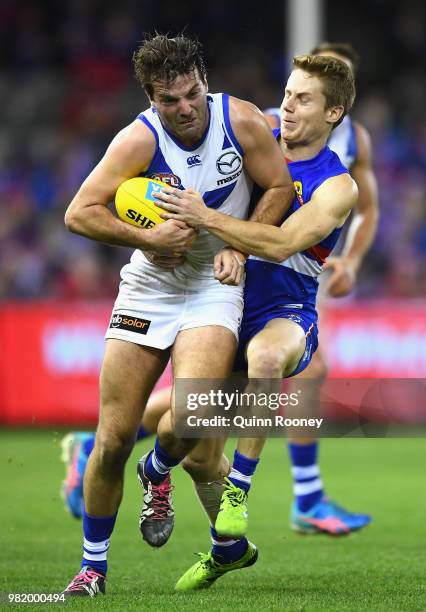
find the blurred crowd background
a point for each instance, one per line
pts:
(67, 86)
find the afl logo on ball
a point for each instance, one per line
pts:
(168, 178)
(134, 324)
(228, 162)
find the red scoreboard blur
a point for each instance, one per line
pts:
(50, 354)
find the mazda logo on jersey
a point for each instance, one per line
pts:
(228, 163)
(193, 160)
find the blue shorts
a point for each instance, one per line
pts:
(306, 317)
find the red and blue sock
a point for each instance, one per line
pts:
(227, 550)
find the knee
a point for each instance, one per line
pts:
(113, 448)
(265, 361)
(206, 469)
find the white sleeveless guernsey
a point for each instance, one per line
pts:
(154, 304)
(213, 167)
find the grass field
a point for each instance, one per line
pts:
(381, 568)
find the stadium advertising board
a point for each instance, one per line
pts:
(51, 354)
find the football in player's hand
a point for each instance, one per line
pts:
(135, 202)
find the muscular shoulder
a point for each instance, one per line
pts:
(338, 192)
(133, 148)
(244, 113)
(248, 122)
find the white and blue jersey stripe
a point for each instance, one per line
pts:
(213, 167)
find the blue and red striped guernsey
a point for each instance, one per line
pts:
(296, 278)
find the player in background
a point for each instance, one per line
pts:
(182, 308)
(311, 511)
(278, 331)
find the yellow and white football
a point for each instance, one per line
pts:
(135, 203)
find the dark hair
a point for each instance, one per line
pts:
(346, 50)
(160, 58)
(336, 77)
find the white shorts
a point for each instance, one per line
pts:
(153, 305)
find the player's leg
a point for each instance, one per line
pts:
(158, 404)
(202, 352)
(303, 451)
(129, 373)
(312, 511)
(272, 354)
(207, 466)
(77, 446)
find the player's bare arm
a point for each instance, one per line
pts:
(328, 208)
(364, 223)
(128, 155)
